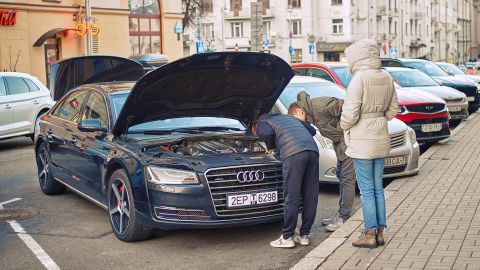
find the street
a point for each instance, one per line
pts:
(76, 233)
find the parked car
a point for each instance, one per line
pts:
(423, 112)
(150, 61)
(404, 153)
(173, 150)
(471, 68)
(23, 99)
(455, 71)
(415, 80)
(440, 76)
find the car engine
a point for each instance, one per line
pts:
(188, 147)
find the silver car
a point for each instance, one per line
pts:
(23, 98)
(404, 153)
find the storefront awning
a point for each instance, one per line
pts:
(49, 34)
(331, 47)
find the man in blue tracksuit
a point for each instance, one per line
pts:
(292, 140)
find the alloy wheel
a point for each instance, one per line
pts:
(119, 206)
(43, 167)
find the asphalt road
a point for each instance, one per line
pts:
(76, 234)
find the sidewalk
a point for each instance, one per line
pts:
(433, 218)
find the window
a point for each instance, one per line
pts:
(406, 29)
(70, 108)
(337, 26)
(336, 2)
(266, 4)
(266, 28)
(294, 3)
(16, 85)
(237, 29)
(322, 74)
(33, 87)
(207, 6)
(297, 57)
(300, 71)
(96, 108)
(3, 88)
(145, 26)
(296, 27)
(207, 31)
(395, 28)
(235, 4)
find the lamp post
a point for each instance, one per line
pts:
(88, 22)
(290, 33)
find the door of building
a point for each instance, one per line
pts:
(51, 56)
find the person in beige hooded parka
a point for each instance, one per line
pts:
(370, 102)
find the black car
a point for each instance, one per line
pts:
(463, 85)
(174, 149)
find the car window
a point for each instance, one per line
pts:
(31, 85)
(322, 74)
(391, 64)
(16, 85)
(300, 71)
(343, 74)
(314, 89)
(96, 108)
(275, 109)
(412, 78)
(70, 108)
(427, 67)
(452, 69)
(3, 88)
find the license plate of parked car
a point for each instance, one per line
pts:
(431, 127)
(395, 161)
(471, 98)
(454, 109)
(249, 199)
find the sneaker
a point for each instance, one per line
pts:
(329, 220)
(283, 243)
(302, 240)
(336, 223)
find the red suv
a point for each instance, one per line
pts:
(425, 113)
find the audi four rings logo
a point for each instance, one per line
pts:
(250, 176)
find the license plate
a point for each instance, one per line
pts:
(249, 199)
(431, 127)
(395, 161)
(455, 108)
(471, 98)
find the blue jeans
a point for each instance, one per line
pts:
(370, 182)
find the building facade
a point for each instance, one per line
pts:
(36, 33)
(442, 30)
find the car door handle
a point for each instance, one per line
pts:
(7, 106)
(73, 140)
(36, 102)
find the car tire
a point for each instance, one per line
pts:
(121, 209)
(48, 184)
(455, 122)
(472, 109)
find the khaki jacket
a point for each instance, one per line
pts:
(370, 102)
(324, 113)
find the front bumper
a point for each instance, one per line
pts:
(461, 113)
(429, 137)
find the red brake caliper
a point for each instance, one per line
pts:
(117, 202)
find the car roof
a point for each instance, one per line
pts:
(327, 64)
(307, 79)
(395, 69)
(18, 74)
(405, 60)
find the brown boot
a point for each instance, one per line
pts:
(380, 239)
(367, 239)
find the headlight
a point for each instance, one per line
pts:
(478, 87)
(465, 99)
(325, 143)
(160, 175)
(411, 134)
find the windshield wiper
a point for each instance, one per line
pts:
(218, 128)
(165, 132)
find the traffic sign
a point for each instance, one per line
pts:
(311, 39)
(291, 50)
(312, 49)
(393, 51)
(200, 46)
(266, 42)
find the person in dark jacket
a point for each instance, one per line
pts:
(293, 142)
(325, 113)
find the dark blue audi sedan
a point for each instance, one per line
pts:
(171, 150)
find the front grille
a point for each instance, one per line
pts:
(397, 139)
(396, 169)
(172, 213)
(455, 100)
(430, 108)
(223, 181)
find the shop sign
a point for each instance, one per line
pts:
(93, 29)
(8, 17)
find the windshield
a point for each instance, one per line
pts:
(177, 123)
(314, 89)
(343, 74)
(427, 67)
(413, 78)
(451, 69)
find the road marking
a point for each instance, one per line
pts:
(37, 250)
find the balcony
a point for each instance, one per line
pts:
(382, 10)
(245, 14)
(418, 15)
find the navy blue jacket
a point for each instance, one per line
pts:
(286, 134)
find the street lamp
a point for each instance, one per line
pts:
(290, 33)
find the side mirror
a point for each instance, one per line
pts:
(91, 125)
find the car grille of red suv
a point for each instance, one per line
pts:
(223, 181)
(430, 108)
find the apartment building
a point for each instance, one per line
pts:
(444, 30)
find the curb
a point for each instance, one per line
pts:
(319, 254)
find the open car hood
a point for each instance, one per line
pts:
(237, 85)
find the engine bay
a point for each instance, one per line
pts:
(201, 147)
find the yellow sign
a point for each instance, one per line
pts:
(93, 29)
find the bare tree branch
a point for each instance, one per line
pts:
(190, 11)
